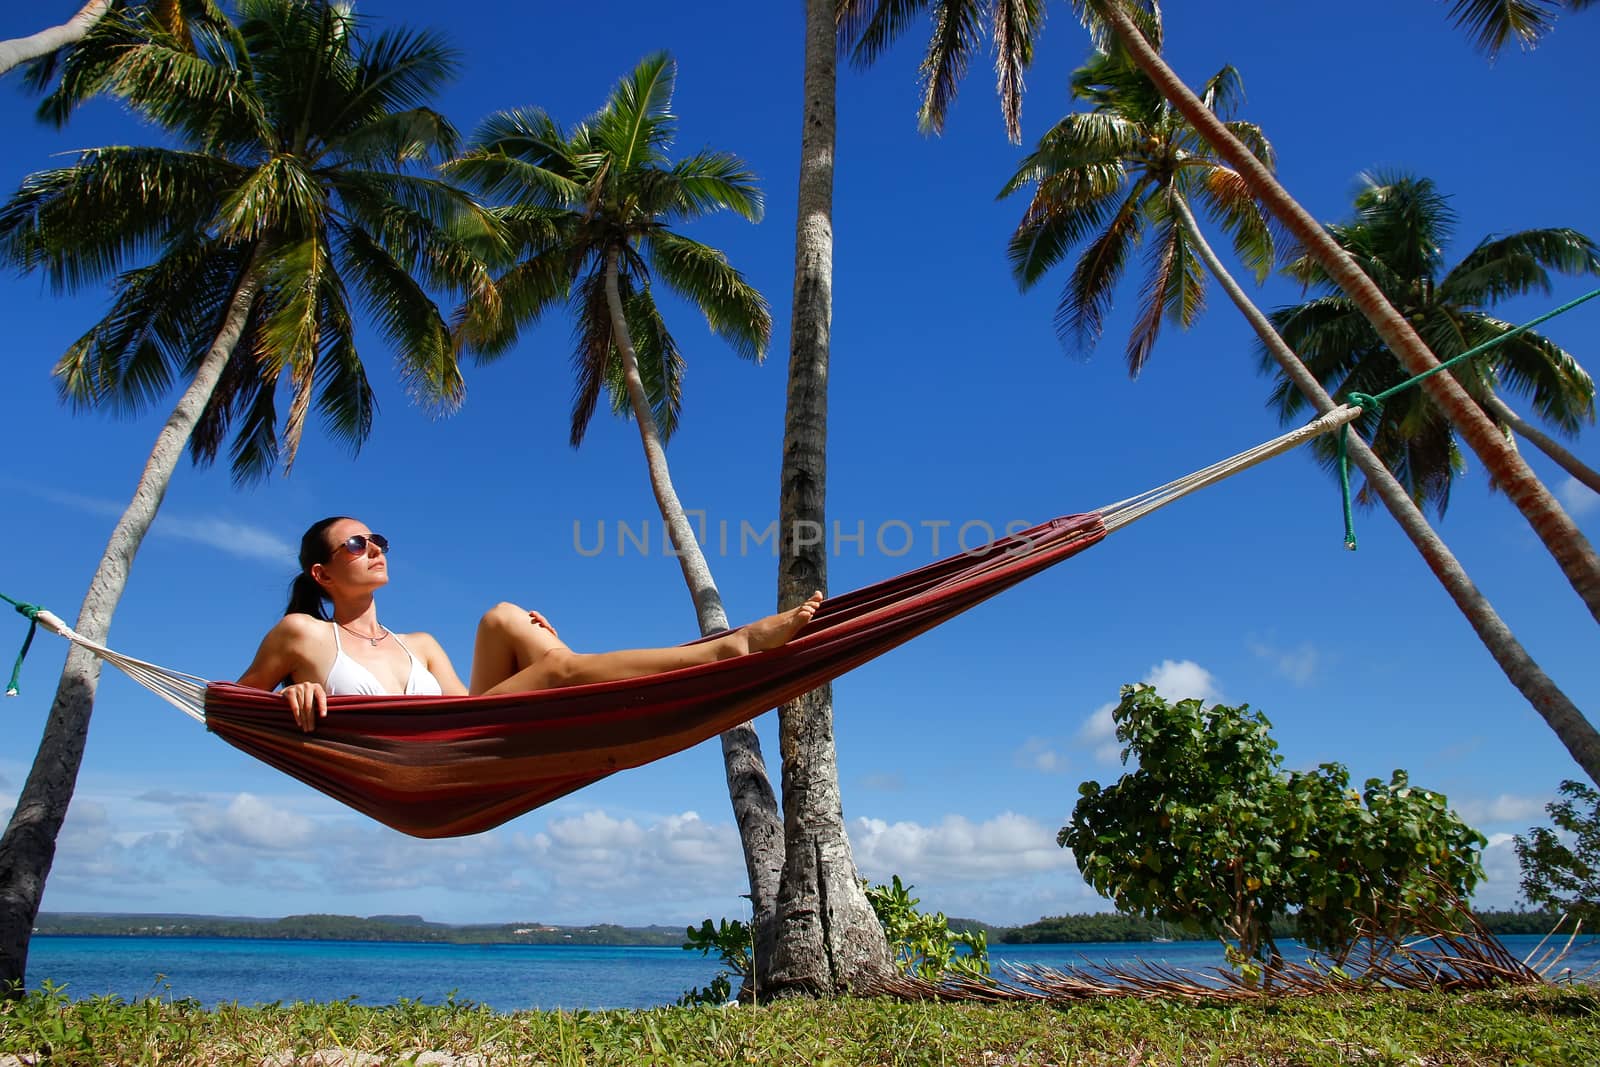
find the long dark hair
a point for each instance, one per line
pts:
(306, 594)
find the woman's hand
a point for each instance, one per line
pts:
(539, 620)
(308, 702)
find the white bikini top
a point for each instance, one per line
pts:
(349, 678)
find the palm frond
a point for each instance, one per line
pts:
(637, 123)
(489, 328)
(399, 71)
(1534, 366)
(956, 35)
(1163, 255)
(1066, 208)
(80, 224)
(708, 181)
(281, 196)
(733, 308)
(867, 28)
(1087, 297)
(1517, 264)
(1016, 26)
(130, 357)
(345, 397)
(1228, 199)
(415, 136)
(521, 157)
(1492, 24)
(1403, 220)
(593, 349)
(1174, 289)
(1223, 92)
(407, 317)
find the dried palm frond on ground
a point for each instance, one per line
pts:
(1442, 955)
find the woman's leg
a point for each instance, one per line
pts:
(514, 655)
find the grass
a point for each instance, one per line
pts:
(1548, 1027)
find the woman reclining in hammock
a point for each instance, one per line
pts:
(344, 563)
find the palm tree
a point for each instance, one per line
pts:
(289, 184)
(1110, 179)
(828, 939)
(1569, 724)
(1112, 20)
(1493, 24)
(591, 212)
(1401, 227)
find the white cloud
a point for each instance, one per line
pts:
(1099, 726)
(1502, 875)
(956, 849)
(1505, 808)
(253, 823)
(1578, 498)
(1174, 680)
(234, 538)
(1298, 664)
(225, 535)
(673, 859)
(1039, 754)
(1184, 679)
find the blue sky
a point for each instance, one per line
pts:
(951, 401)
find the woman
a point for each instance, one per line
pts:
(314, 654)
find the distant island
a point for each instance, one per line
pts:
(350, 928)
(1059, 929)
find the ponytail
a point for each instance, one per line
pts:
(306, 595)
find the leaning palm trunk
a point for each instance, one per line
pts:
(1559, 713)
(1550, 522)
(1564, 459)
(25, 49)
(29, 844)
(829, 940)
(755, 808)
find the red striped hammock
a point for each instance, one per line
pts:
(449, 766)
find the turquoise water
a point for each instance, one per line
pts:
(505, 977)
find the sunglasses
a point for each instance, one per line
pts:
(357, 545)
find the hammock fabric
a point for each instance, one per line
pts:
(449, 766)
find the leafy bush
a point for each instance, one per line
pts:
(1208, 832)
(1559, 874)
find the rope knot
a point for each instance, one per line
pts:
(1369, 405)
(31, 613)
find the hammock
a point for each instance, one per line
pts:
(450, 766)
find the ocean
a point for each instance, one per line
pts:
(504, 977)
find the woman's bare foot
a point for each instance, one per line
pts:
(775, 630)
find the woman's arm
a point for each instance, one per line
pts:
(284, 653)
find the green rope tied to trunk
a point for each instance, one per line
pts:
(31, 613)
(1372, 404)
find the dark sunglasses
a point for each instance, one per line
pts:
(357, 545)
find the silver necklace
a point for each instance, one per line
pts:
(368, 638)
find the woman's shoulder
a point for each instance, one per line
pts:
(422, 639)
(298, 626)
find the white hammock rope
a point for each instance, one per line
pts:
(1123, 512)
(186, 692)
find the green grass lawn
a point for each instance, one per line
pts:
(1544, 1027)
